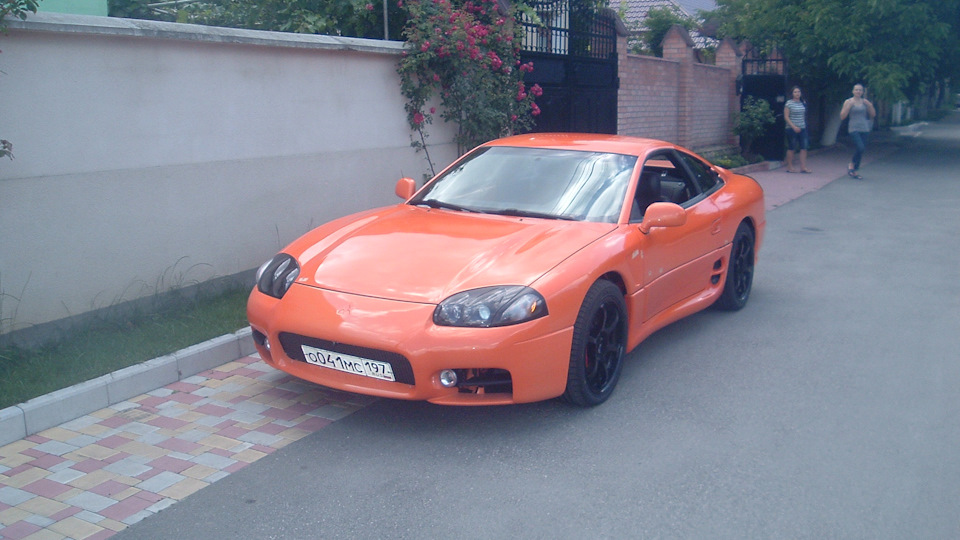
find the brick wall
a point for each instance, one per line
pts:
(677, 99)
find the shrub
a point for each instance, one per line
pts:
(467, 54)
(755, 116)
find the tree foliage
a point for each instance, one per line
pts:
(896, 47)
(17, 8)
(659, 21)
(466, 54)
(354, 18)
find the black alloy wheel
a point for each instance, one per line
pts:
(599, 344)
(736, 288)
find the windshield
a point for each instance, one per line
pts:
(536, 182)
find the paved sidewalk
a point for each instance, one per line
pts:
(826, 164)
(97, 474)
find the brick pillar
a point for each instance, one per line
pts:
(729, 56)
(678, 46)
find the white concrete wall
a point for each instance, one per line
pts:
(150, 155)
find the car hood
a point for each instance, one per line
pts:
(424, 255)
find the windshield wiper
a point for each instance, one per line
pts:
(434, 203)
(529, 213)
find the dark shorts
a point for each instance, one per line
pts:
(798, 141)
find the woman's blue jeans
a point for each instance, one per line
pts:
(860, 140)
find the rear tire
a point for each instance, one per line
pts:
(736, 288)
(599, 344)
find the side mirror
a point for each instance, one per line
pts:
(405, 188)
(662, 214)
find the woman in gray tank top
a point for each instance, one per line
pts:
(861, 113)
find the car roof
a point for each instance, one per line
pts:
(618, 144)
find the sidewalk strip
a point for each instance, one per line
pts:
(96, 475)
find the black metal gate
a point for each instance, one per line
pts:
(574, 54)
(767, 79)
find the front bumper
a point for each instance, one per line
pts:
(536, 354)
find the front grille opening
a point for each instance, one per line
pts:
(293, 347)
(484, 381)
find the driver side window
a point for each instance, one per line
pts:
(663, 179)
(703, 175)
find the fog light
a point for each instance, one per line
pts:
(448, 378)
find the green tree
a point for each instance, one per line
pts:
(896, 47)
(354, 18)
(17, 8)
(659, 21)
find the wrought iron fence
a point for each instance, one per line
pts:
(568, 27)
(764, 66)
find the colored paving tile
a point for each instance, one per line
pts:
(98, 474)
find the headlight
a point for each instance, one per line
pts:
(491, 306)
(277, 274)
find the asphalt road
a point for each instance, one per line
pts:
(828, 408)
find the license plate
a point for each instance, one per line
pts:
(348, 363)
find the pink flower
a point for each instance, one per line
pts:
(417, 118)
(436, 78)
(513, 118)
(534, 110)
(369, 7)
(433, 110)
(425, 47)
(536, 90)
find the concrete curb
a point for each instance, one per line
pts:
(67, 404)
(758, 167)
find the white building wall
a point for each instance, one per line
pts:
(153, 155)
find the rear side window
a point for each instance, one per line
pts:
(703, 175)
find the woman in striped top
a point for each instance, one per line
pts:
(795, 113)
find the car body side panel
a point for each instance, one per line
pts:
(702, 298)
(674, 268)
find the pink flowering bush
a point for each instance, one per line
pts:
(467, 54)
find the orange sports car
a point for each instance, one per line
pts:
(524, 271)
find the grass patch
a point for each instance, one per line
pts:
(111, 345)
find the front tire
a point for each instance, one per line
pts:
(736, 288)
(599, 344)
